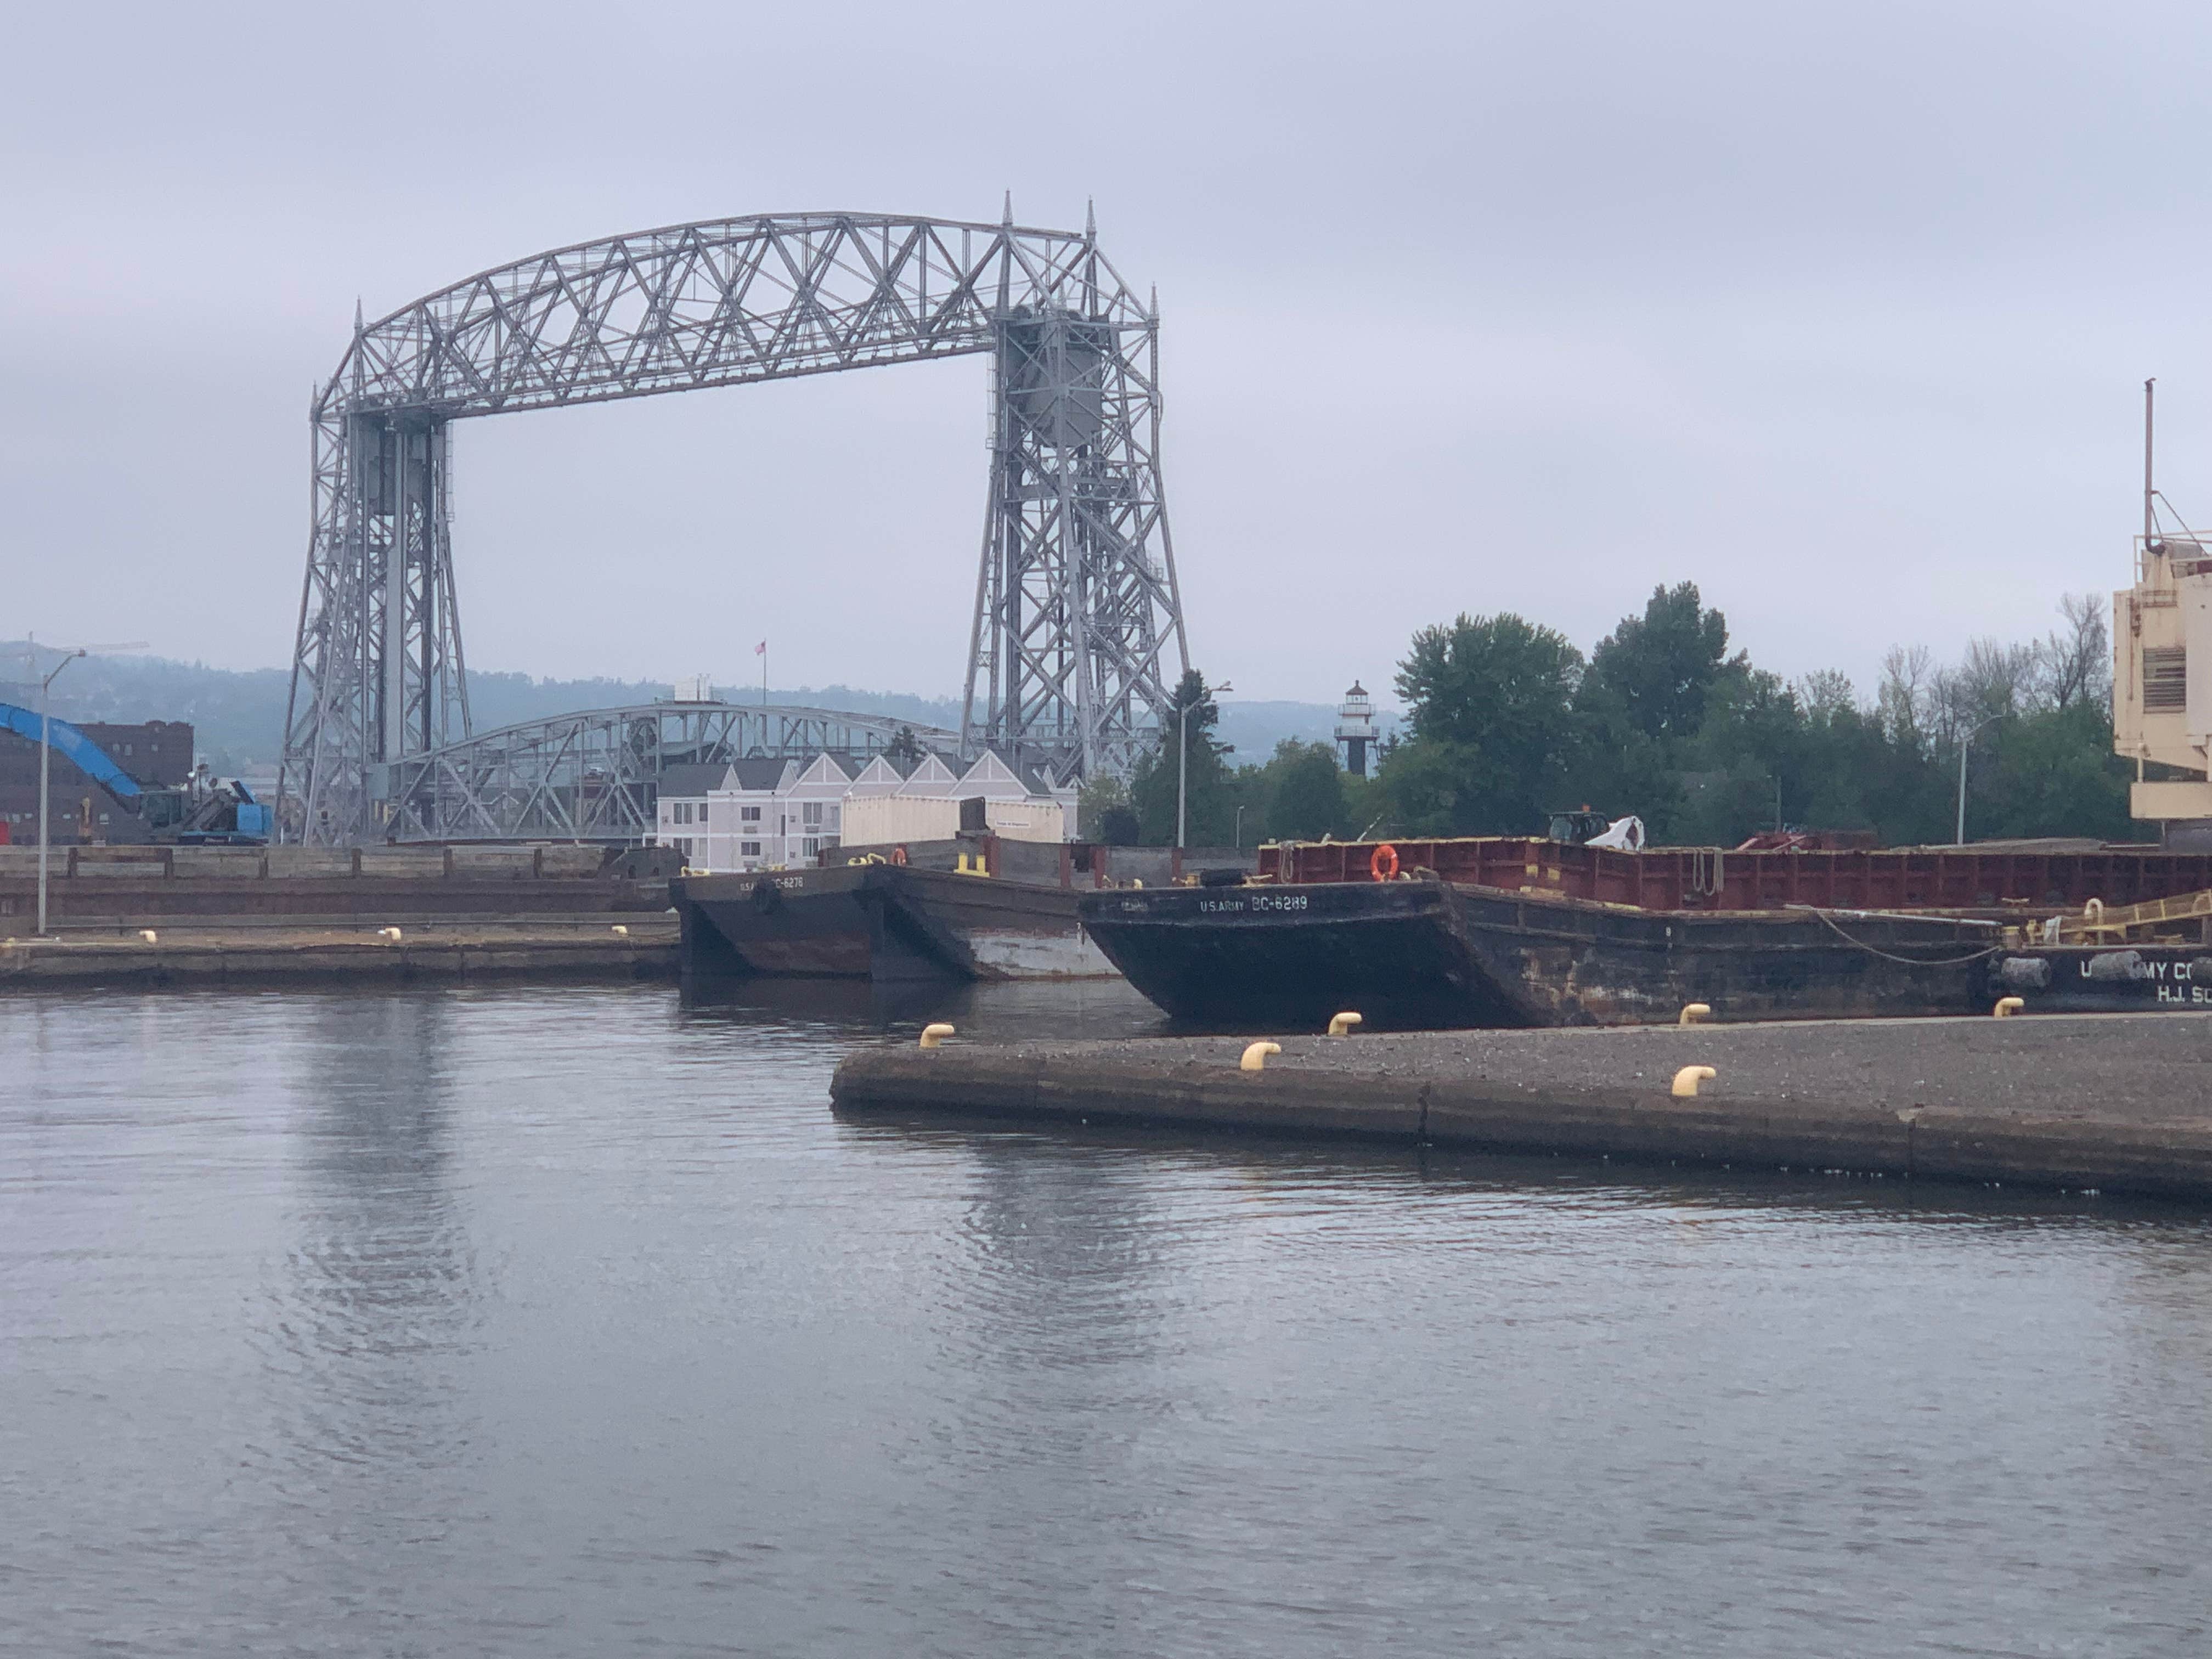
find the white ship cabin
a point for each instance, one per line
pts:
(773, 814)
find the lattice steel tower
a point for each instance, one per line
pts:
(1076, 598)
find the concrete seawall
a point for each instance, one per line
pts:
(243, 952)
(212, 886)
(2116, 1102)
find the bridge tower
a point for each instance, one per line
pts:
(1076, 596)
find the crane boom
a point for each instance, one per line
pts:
(68, 741)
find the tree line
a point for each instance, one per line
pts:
(1507, 721)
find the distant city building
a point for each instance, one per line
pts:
(1355, 729)
(765, 814)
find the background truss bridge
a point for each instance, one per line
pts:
(594, 776)
(1076, 595)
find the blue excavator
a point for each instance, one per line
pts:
(207, 812)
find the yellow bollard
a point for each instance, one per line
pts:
(2008, 1006)
(1694, 1012)
(391, 935)
(933, 1035)
(623, 931)
(1687, 1079)
(150, 936)
(1256, 1056)
(1342, 1023)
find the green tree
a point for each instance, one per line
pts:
(2053, 772)
(1104, 814)
(1153, 791)
(1307, 800)
(1659, 668)
(1489, 701)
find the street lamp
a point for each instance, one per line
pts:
(1182, 757)
(45, 774)
(1963, 743)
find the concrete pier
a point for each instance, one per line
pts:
(244, 950)
(2108, 1101)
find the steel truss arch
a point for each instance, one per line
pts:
(594, 776)
(1077, 597)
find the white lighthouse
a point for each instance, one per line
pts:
(1355, 729)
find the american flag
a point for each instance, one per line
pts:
(761, 650)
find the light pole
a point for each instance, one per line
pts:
(1240, 826)
(1182, 756)
(45, 774)
(1964, 744)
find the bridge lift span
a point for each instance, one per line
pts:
(1076, 595)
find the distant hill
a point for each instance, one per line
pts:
(239, 715)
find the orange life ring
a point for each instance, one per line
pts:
(1384, 865)
(898, 855)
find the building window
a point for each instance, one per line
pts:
(684, 848)
(810, 814)
(703, 811)
(749, 849)
(748, 814)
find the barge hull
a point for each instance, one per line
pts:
(882, 922)
(1409, 955)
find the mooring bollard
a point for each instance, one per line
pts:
(623, 931)
(150, 936)
(390, 935)
(1694, 1012)
(1687, 1079)
(1342, 1023)
(933, 1035)
(1256, 1056)
(2008, 1007)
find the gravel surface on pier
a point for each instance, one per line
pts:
(2117, 1100)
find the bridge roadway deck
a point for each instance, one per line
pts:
(2103, 1102)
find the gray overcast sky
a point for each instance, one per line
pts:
(1842, 312)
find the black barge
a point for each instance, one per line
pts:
(1514, 931)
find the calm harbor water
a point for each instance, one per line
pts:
(571, 1322)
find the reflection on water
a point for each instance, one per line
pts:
(570, 1321)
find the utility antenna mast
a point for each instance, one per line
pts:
(2150, 493)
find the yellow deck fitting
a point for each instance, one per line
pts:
(390, 935)
(933, 1035)
(150, 936)
(623, 931)
(1687, 1079)
(1256, 1056)
(2007, 1006)
(1694, 1012)
(1342, 1023)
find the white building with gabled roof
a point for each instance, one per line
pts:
(760, 814)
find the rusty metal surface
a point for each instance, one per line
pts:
(1713, 878)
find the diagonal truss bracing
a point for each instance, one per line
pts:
(594, 776)
(1076, 600)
